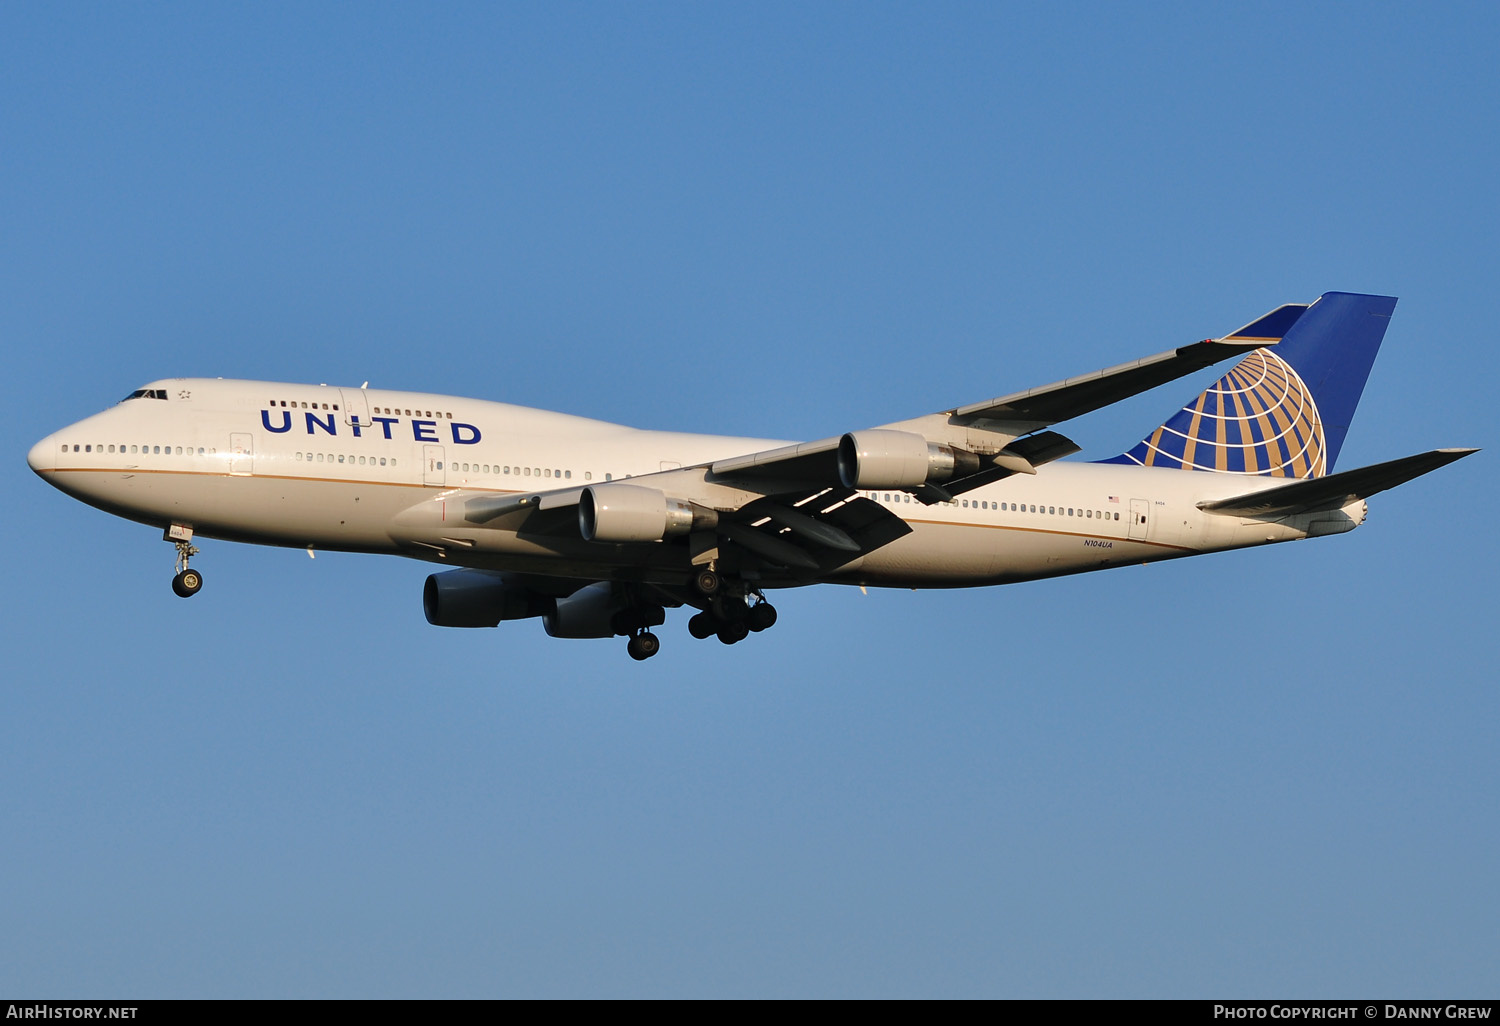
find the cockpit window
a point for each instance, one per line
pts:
(146, 393)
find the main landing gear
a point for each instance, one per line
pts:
(643, 646)
(730, 611)
(636, 622)
(731, 618)
(188, 582)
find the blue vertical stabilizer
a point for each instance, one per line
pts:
(1283, 411)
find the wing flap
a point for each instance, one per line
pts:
(1022, 456)
(1334, 491)
(819, 531)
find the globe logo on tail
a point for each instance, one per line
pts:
(1259, 418)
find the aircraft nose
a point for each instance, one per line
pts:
(42, 455)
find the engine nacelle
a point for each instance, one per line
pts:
(617, 512)
(899, 459)
(478, 598)
(587, 613)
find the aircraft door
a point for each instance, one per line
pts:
(240, 454)
(356, 407)
(432, 465)
(1140, 523)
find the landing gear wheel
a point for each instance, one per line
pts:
(708, 582)
(729, 608)
(761, 616)
(187, 583)
(703, 625)
(733, 632)
(643, 646)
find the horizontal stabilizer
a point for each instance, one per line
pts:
(1334, 491)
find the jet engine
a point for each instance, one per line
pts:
(618, 512)
(587, 613)
(478, 598)
(899, 459)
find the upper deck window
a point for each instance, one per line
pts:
(146, 393)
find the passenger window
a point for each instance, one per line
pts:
(588, 475)
(966, 504)
(567, 475)
(382, 461)
(527, 472)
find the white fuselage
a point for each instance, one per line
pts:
(332, 468)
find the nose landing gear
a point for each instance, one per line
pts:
(188, 582)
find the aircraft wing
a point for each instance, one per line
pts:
(1334, 491)
(994, 428)
(802, 530)
(1064, 400)
(483, 507)
(799, 508)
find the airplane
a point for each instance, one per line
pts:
(597, 529)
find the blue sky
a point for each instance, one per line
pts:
(1267, 773)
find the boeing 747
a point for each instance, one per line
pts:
(599, 529)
